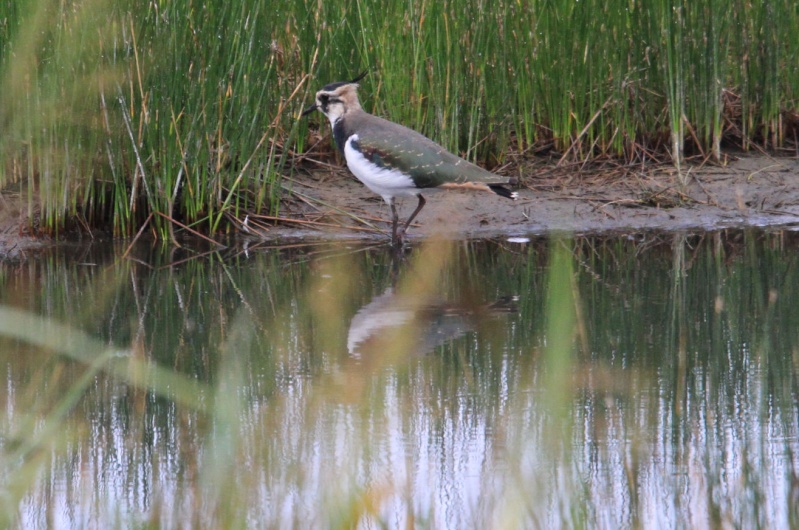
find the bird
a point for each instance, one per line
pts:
(395, 161)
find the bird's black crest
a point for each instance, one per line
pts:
(333, 86)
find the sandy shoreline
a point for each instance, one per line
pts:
(749, 191)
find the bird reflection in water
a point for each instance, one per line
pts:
(393, 323)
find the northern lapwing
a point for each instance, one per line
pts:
(394, 161)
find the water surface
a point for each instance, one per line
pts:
(616, 381)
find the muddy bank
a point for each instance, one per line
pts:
(331, 204)
(750, 191)
(16, 241)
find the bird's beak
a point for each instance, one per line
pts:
(309, 110)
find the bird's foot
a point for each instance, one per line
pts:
(398, 240)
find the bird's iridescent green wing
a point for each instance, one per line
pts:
(393, 146)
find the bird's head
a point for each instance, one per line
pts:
(336, 99)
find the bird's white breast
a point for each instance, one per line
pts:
(387, 183)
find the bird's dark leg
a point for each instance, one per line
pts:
(418, 209)
(396, 239)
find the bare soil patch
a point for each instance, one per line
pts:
(749, 191)
(16, 241)
(332, 204)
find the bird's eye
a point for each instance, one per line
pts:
(323, 99)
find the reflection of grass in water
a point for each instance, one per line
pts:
(270, 411)
(32, 435)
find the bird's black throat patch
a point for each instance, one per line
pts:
(340, 135)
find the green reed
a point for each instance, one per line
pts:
(115, 109)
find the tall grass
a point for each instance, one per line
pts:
(114, 109)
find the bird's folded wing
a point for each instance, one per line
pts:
(393, 146)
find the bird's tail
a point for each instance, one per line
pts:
(502, 191)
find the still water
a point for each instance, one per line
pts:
(601, 382)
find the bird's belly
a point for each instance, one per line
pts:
(385, 182)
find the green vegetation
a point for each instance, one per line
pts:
(118, 112)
